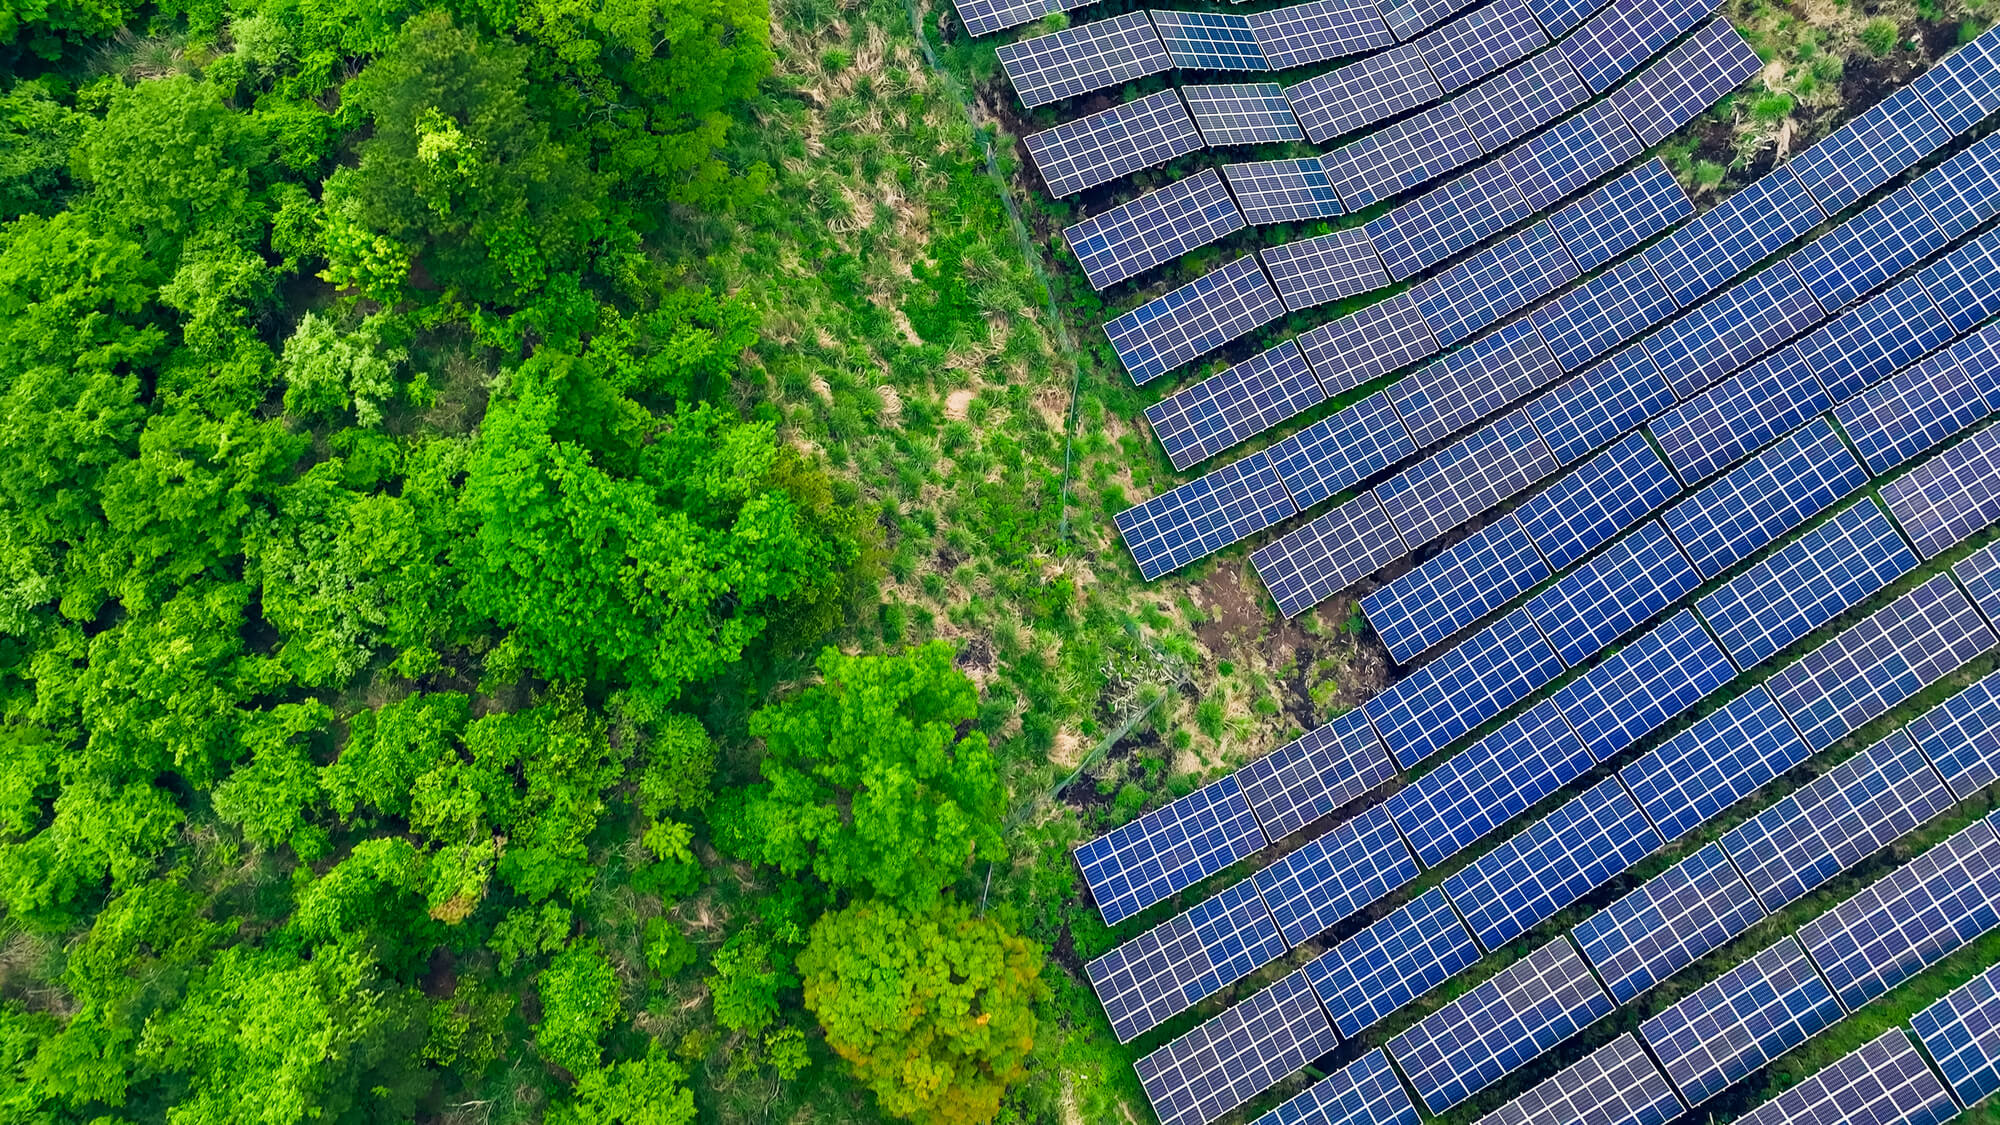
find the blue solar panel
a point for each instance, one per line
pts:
(1772, 493)
(1318, 31)
(1364, 1092)
(1559, 16)
(1237, 1055)
(1168, 850)
(1615, 1083)
(1621, 214)
(1639, 687)
(1454, 588)
(1964, 86)
(1392, 160)
(1077, 60)
(1603, 497)
(1488, 783)
(1979, 356)
(1870, 150)
(1961, 736)
(1117, 142)
(1368, 343)
(1808, 583)
(1532, 1005)
(1671, 921)
(1241, 113)
(1323, 769)
(1596, 316)
(1340, 450)
(1173, 966)
(1743, 1019)
(1893, 421)
(1282, 191)
(1966, 282)
(1364, 91)
(1466, 385)
(1465, 478)
(1463, 687)
(1493, 283)
(1463, 210)
(1887, 657)
(1200, 421)
(1980, 574)
(1520, 100)
(1480, 42)
(1964, 191)
(1845, 263)
(1866, 344)
(1836, 820)
(1615, 41)
(1909, 919)
(984, 17)
(1552, 863)
(1950, 496)
(1203, 516)
(1750, 318)
(1690, 778)
(1209, 40)
(1884, 1083)
(1398, 958)
(1312, 889)
(1313, 271)
(1206, 313)
(1408, 17)
(1596, 406)
(1559, 162)
(1730, 237)
(1962, 1032)
(1633, 580)
(1156, 227)
(1311, 563)
(1718, 427)
(1685, 80)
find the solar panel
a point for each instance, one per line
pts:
(1313, 271)
(1966, 282)
(1583, 412)
(1200, 421)
(1520, 100)
(1305, 566)
(1884, 333)
(1315, 887)
(1893, 421)
(1237, 1055)
(1883, 1083)
(1398, 157)
(1465, 478)
(1772, 493)
(1157, 227)
(1950, 496)
(1219, 306)
(1639, 687)
(1446, 219)
(1979, 356)
(1845, 263)
(1980, 574)
(1337, 451)
(1398, 958)
(1551, 863)
(1368, 343)
(1503, 1022)
(1077, 60)
(1603, 497)
(984, 17)
(1408, 17)
(1964, 191)
(1690, 778)
(1613, 1085)
(1321, 770)
(1694, 75)
(1964, 86)
(1598, 315)
(1363, 92)
(1242, 113)
(1559, 16)
(1168, 850)
(1671, 921)
(1731, 1026)
(1728, 238)
(1961, 736)
(1613, 43)
(1741, 323)
(1480, 42)
(1169, 531)
(1836, 820)
(1463, 687)
(1117, 142)
(1318, 31)
(1910, 918)
(1496, 282)
(1808, 583)
(1173, 966)
(1621, 214)
(1209, 40)
(1364, 1092)
(1632, 581)
(1885, 658)
(1454, 588)
(1572, 153)
(1870, 150)
(1962, 1032)
(1488, 783)
(1715, 429)
(1282, 191)
(1466, 385)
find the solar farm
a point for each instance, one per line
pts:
(1674, 516)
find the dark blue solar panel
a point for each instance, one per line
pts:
(1206, 313)
(1980, 573)
(1323, 769)
(1463, 687)
(1338, 451)
(1743, 322)
(1077, 60)
(1241, 113)
(1415, 948)
(1633, 580)
(1845, 263)
(1665, 671)
(1964, 191)
(1964, 86)
(1364, 1092)
(1895, 420)
(1493, 283)
(1471, 475)
(1313, 562)
(1603, 497)
(1156, 227)
(1327, 267)
(1596, 316)
(1978, 355)
(1454, 588)
(1367, 90)
(1116, 142)
(1468, 384)
(1408, 17)
(1394, 159)
(1686, 80)
(1330, 878)
(1729, 238)
(1448, 218)
(1319, 30)
(1870, 150)
(1621, 214)
(1673, 920)
(1950, 496)
(1691, 777)
(1808, 583)
(1559, 162)
(1596, 406)
(1966, 282)
(1209, 40)
(1718, 427)
(1772, 493)
(1559, 16)
(1614, 42)
(1367, 343)
(1176, 964)
(1480, 42)
(1200, 421)
(1552, 863)
(1615, 1083)
(1884, 1083)
(1869, 342)
(1236, 1055)
(1962, 1032)
(1168, 850)
(1203, 516)
(1521, 99)
(1743, 1019)
(1282, 191)
(1961, 736)
(1488, 783)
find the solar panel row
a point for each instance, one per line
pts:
(1884, 1083)
(1323, 769)
(1077, 60)
(1169, 849)
(1364, 1092)
(1980, 574)
(1615, 1083)
(1242, 113)
(1228, 1060)
(1739, 1021)
(983, 17)
(1731, 518)
(1962, 1032)
(1317, 886)
(1948, 497)
(1893, 421)
(1722, 758)
(1478, 471)
(1463, 687)
(1454, 588)
(1116, 142)
(1174, 965)
(1488, 783)
(1599, 499)
(1156, 227)
(1671, 921)
(1961, 736)
(1171, 530)
(1204, 314)
(1632, 692)
(1632, 581)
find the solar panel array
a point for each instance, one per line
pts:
(1632, 581)
(1615, 1083)
(1318, 31)
(1496, 282)
(1663, 97)
(1454, 588)
(1364, 1092)
(1462, 386)
(1521, 99)
(1313, 271)
(1742, 323)
(1606, 48)
(1480, 42)
(1884, 1083)
(1368, 343)
(1743, 1019)
(1486, 466)
(1713, 430)
(1242, 113)
(1396, 959)
(1634, 690)
(1312, 775)
(1671, 921)
(1306, 565)
(1171, 967)
(1868, 151)
(1602, 497)
(1157, 227)
(1950, 496)
(1488, 783)
(1077, 60)
(1558, 163)
(1117, 142)
(983, 17)
(1210, 40)
(1335, 875)
(1227, 1060)
(1219, 412)
(1772, 493)
(1964, 86)
(1463, 687)
(1169, 849)
(1961, 737)
(1372, 89)
(1207, 312)
(1333, 453)
(1979, 572)
(1614, 218)
(1282, 191)
(1892, 422)
(1171, 530)
(1725, 756)
(1962, 1032)
(1401, 156)
(1728, 238)
(1885, 333)
(1462, 211)
(1585, 322)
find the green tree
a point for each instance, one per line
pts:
(934, 1009)
(646, 1091)
(579, 992)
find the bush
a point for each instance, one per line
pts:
(1879, 36)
